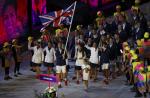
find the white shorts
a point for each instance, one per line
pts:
(105, 66)
(85, 76)
(60, 69)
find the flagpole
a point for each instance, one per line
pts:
(70, 27)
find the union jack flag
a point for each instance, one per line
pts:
(58, 17)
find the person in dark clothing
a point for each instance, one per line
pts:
(88, 33)
(87, 51)
(134, 15)
(126, 27)
(95, 36)
(143, 22)
(60, 57)
(138, 32)
(112, 56)
(101, 31)
(122, 34)
(108, 27)
(16, 49)
(119, 51)
(114, 26)
(6, 58)
(105, 62)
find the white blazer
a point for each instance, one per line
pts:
(49, 57)
(94, 58)
(38, 56)
(79, 57)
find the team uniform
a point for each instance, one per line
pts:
(105, 59)
(94, 61)
(79, 55)
(38, 55)
(60, 61)
(49, 57)
(86, 72)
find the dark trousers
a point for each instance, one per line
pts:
(127, 76)
(17, 67)
(7, 71)
(31, 64)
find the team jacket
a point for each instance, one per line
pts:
(38, 55)
(49, 57)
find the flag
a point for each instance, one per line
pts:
(58, 17)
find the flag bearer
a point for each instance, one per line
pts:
(60, 57)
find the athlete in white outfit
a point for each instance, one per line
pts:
(38, 56)
(49, 57)
(86, 73)
(79, 56)
(94, 60)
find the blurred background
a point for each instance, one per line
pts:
(19, 18)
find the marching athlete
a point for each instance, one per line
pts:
(38, 55)
(94, 60)
(49, 58)
(79, 56)
(60, 57)
(86, 73)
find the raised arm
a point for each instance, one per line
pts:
(86, 46)
(29, 46)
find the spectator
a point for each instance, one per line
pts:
(16, 49)
(6, 58)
